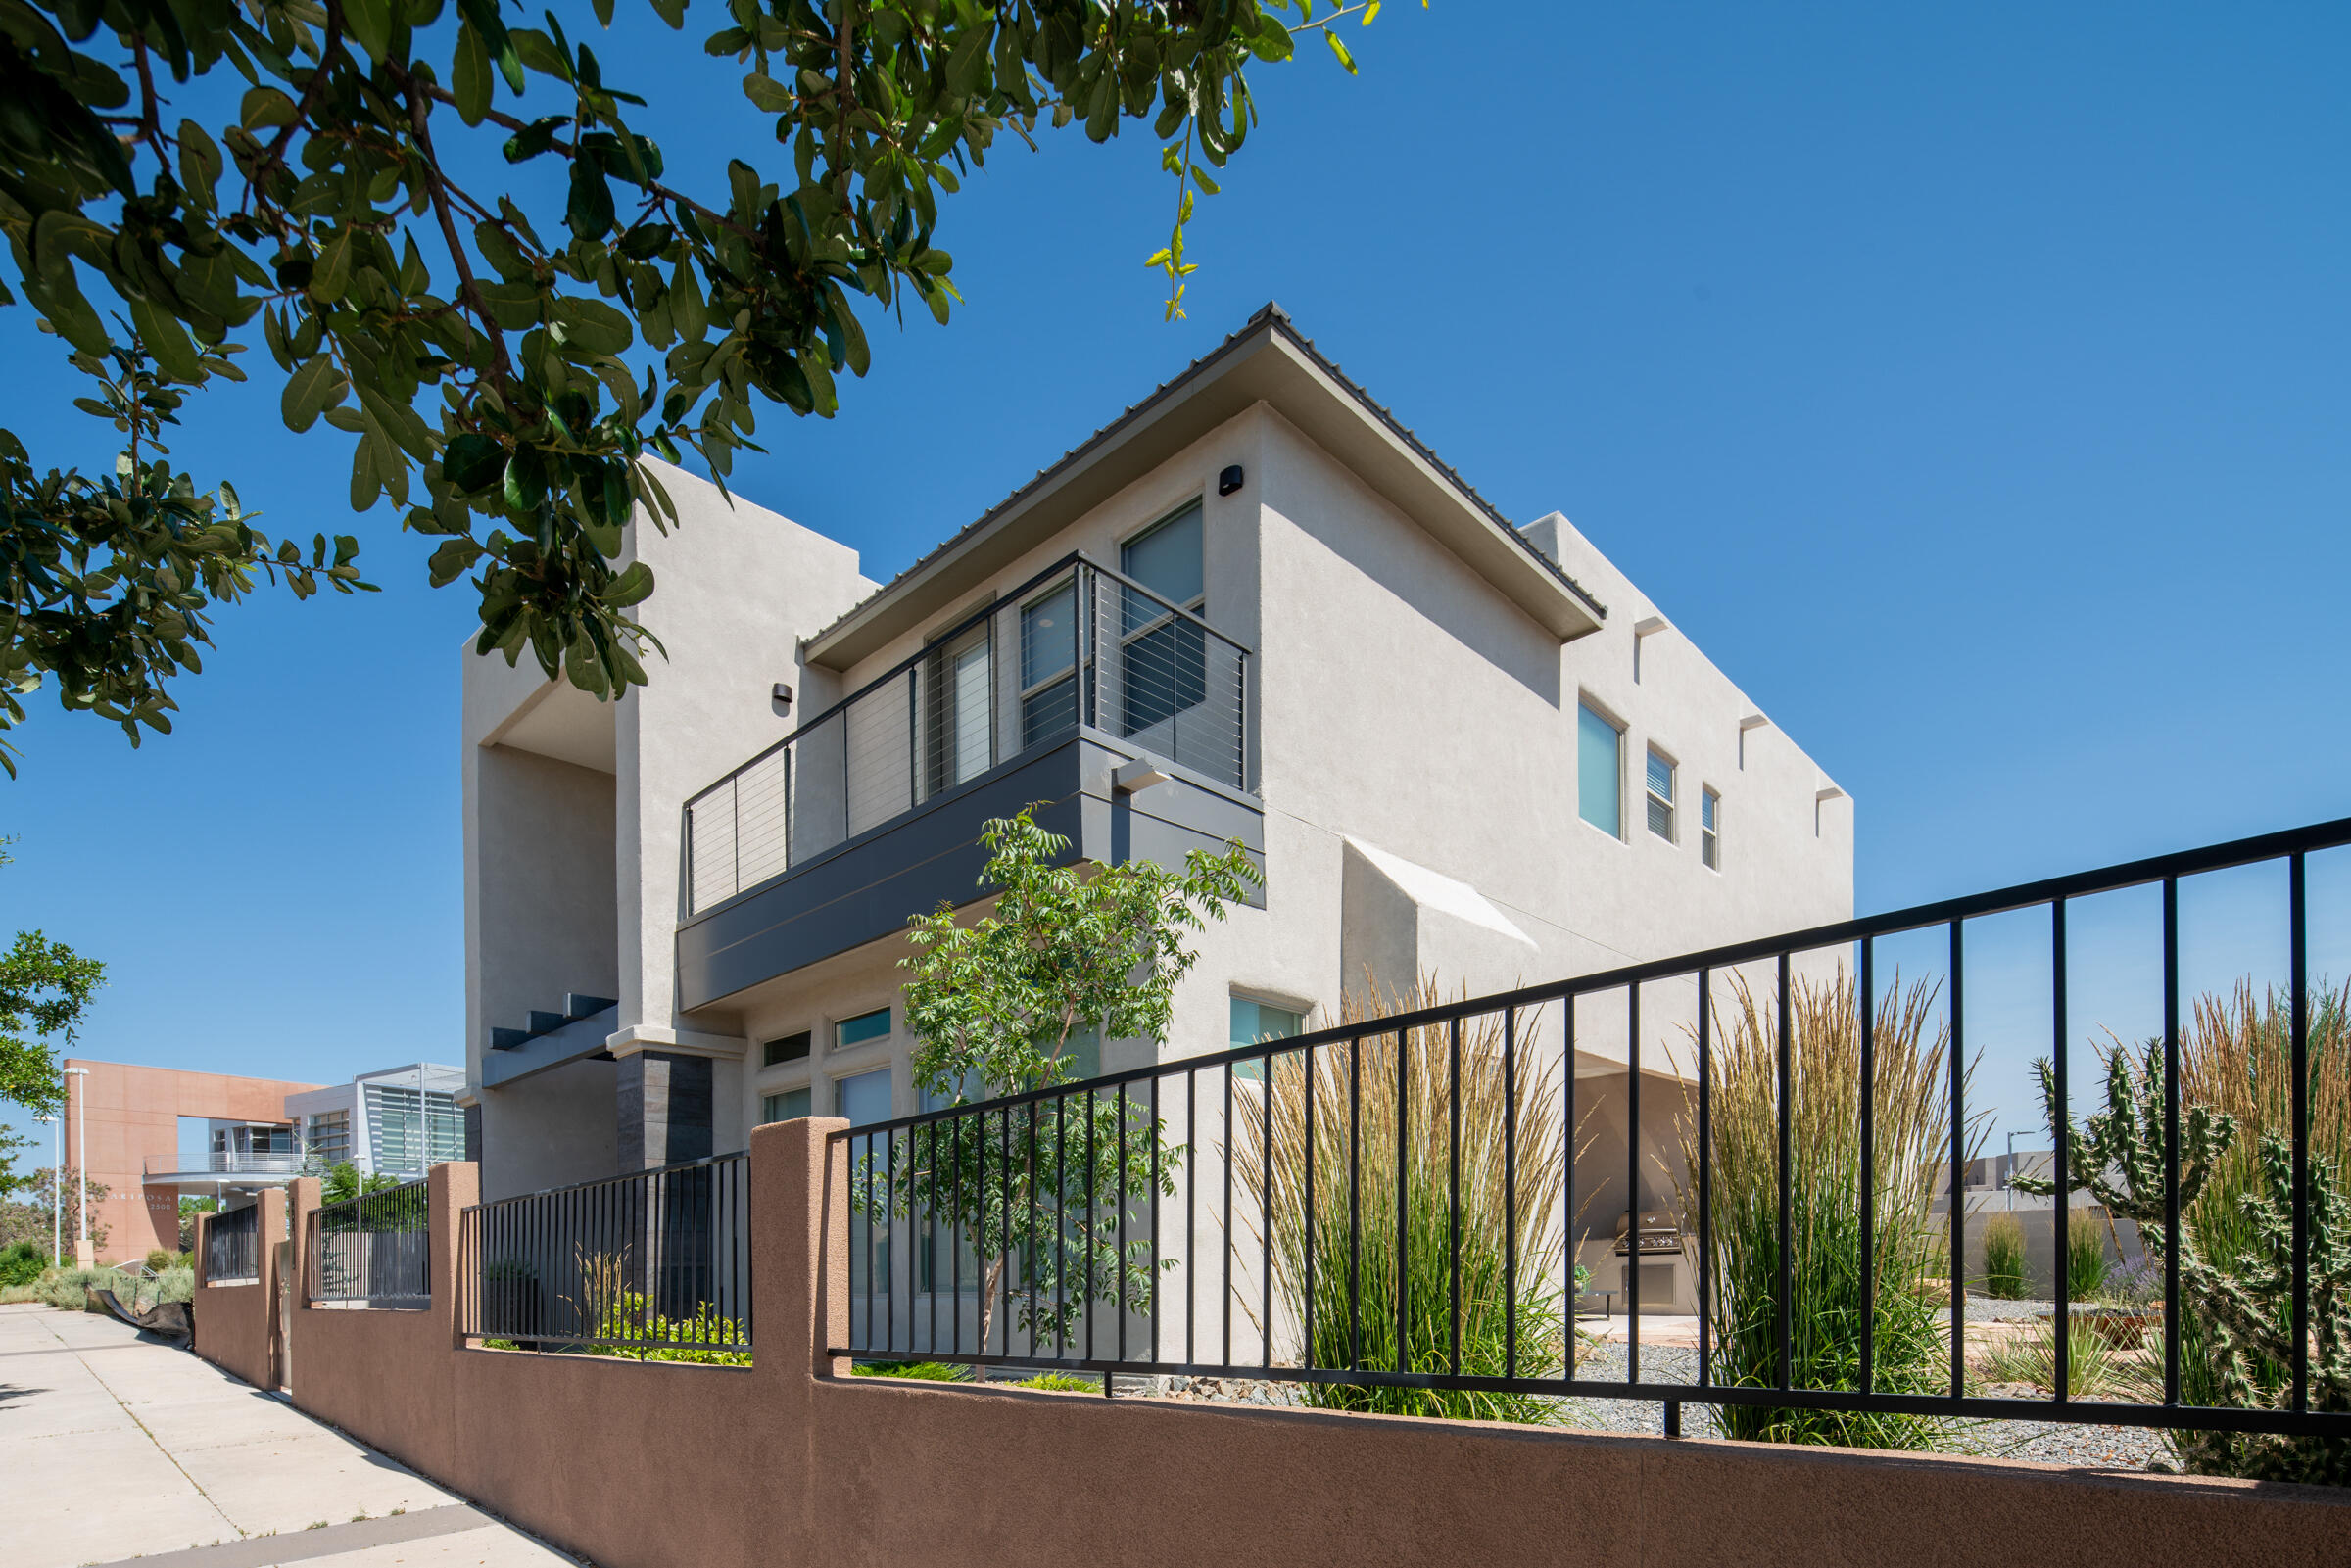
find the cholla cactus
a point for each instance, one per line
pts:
(2245, 1307)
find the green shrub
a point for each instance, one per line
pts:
(2004, 1258)
(2085, 1269)
(2095, 1369)
(21, 1264)
(921, 1371)
(68, 1289)
(1061, 1382)
(160, 1259)
(619, 1313)
(1828, 1303)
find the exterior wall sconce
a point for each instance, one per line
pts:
(782, 696)
(1230, 480)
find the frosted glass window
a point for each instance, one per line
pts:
(864, 1099)
(1599, 772)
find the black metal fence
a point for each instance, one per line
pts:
(374, 1249)
(232, 1245)
(656, 1264)
(1401, 1209)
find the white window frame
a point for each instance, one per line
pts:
(1710, 826)
(1652, 802)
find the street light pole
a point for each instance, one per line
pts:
(57, 1176)
(83, 1256)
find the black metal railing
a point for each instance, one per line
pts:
(1391, 1206)
(232, 1245)
(374, 1249)
(653, 1263)
(1077, 644)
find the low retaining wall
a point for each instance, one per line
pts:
(236, 1326)
(662, 1465)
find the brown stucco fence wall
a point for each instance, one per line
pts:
(236, 1326)
(638, 1465)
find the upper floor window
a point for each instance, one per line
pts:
(1709, 828)
(1599, 771)
(1661, 794)
(864, 1027)
(1049, 664)
(791, 1048)
(1163, 658)
(960, 731)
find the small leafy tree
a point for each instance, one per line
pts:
(343, 1182)
(44, 988)
(189, 1209)
(1068, 952)
(2244, 1303)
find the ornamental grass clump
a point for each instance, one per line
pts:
(2087, 1270)
(2004, 1258)
(1829, 1303)
(1510, 1317)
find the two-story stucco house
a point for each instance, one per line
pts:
(1254, 607)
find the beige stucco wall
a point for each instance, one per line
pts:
(572, 871)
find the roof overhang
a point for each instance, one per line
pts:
(1267, 362)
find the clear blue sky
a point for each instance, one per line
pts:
(1969, 383)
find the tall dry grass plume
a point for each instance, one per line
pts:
(1374, 1115)
(2236, 1059)
(1829, 1305)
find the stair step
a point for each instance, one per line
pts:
(580, 1005)
(506, 1039)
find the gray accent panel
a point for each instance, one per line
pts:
(868, 887)
(664, 1105)
(579, 1038)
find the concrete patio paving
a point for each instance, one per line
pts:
(116, 1444)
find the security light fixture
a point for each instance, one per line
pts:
(1230, 480)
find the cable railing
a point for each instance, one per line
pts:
(1077, 644)
(374, 1250)
(232, 1245)
(1421, 1212)
(655, 1264)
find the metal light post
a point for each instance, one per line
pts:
(83, 1257)
(57, 1176)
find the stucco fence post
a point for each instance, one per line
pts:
(384, 1374)
(235, 1326)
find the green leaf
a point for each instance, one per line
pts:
(590, 210)
(315, 387)
(632, 587)
(591, 326)
(1339, 49)
(473, 462)
(766, 94)
(370, 22)
(469, 74)
(165, 338)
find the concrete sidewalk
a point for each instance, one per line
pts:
(115, 1445)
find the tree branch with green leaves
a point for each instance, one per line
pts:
(505, 374)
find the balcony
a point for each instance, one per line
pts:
(224, 1166)
(870, 810)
